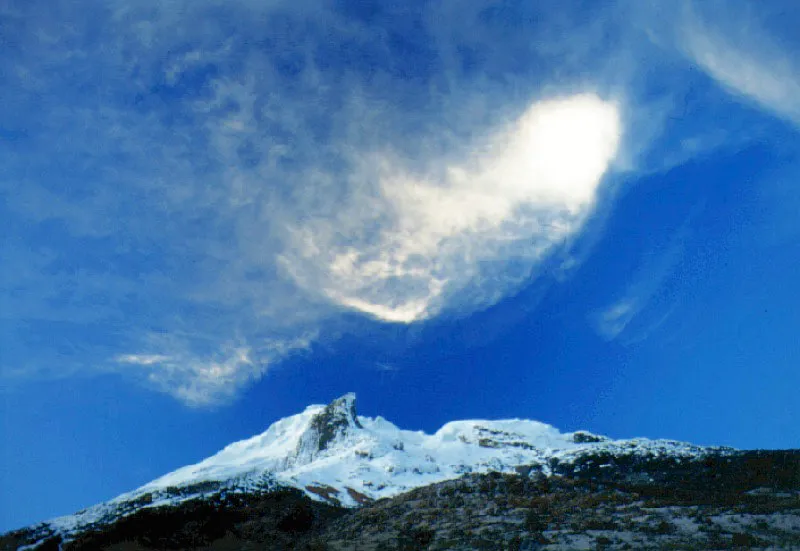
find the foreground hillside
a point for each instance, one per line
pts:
(746, 502)
(750, 500)
(327, 479)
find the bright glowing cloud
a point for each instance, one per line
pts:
(527, 189)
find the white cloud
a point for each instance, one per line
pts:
(203, 380)
(524, 190)
(199, 381)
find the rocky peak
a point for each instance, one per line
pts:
(330, 425)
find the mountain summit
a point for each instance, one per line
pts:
(332, 425)
(337, 456)
(334, 455)
(328, 454)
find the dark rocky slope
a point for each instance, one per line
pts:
(747, 500)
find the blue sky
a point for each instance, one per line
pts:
(215, 214)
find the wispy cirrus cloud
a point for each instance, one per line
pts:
(614, 320)
(750, 59)
(212, 378)
(747, 48)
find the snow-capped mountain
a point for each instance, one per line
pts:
(334, 455)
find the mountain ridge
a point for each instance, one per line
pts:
(333, 455)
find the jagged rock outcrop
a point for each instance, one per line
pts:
(333, 424)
